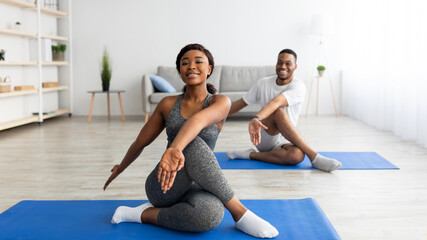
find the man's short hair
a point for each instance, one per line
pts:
(289, 51)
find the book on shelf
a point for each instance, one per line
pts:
(45, 113)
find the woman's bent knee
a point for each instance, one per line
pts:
(212, 219)
(209, 211)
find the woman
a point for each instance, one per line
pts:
(187, 190)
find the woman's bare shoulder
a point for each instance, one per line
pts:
(220, 98)
(166, 104)
(169, 100)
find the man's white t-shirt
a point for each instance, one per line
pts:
(266, 89)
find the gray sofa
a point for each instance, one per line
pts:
(231, 81)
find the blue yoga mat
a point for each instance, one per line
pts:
(294, 219)
(349, 160)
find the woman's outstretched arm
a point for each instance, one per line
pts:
(173, 159)
(146, 136)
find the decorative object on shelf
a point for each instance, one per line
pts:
(5, 88)
(321, 70)
(50, 84)
(106, 71)
(2, 53)
(51, 4)
(24, 88)
(45, 113)
(58, 52)
(17, 26)
(5, 85)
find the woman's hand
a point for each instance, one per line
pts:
(115, 172)
(255, 131)
(171, 162)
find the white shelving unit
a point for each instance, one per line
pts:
(18, 93)
(23, 107)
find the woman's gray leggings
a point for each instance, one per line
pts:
(195, 201)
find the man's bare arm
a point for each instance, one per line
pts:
(255, 124)
(237, 106)
(273, 105)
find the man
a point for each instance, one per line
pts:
(273, 129)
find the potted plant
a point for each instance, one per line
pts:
(106, 71)
(17, 26)
(58, 52)
(321, 69)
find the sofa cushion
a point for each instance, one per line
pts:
(173, 77)
(237, 79)
(161, 84)
(234, 96)
(158, 96)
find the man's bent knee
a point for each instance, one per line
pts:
(294, 155)
(280, 115)
(279, 112)
(294, 160)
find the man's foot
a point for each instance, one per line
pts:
(129, 214)
(325, 164)
(255, 226)
(242, 154)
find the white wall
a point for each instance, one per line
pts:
(142, 34)
(385, 83)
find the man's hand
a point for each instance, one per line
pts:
(255, 126)
(171, 162)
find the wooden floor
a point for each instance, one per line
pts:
(67, 158)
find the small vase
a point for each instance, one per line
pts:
(321, 72)
(105, 87)
(17, 27)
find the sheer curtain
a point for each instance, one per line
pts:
(385, 66)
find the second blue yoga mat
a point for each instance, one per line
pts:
(301, 219)
(349, 160)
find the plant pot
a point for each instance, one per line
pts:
(17, 27)
(321, 72)
(105, 87)
(58, 56)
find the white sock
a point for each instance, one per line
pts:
(242, 154)
(325, 164)
(129, 214)
(255, 226)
